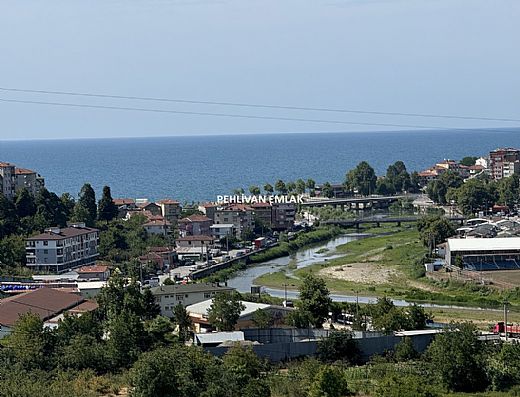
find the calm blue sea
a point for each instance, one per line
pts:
(200, 167)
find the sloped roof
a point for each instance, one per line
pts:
(43, 302)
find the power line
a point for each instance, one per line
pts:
(263, 106)
(244, 116)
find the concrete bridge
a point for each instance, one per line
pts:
(377, 221)
(355, 203)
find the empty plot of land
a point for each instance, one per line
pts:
(364, 272)
(509, 278)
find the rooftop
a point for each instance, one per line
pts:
(188, 288)
(23, 171)
(202, 308)
(43, 302)
(195, 238)
(63, 233)
(167, 201)
(484, 244)
(123, 201)
(196, 218)
(93, 269)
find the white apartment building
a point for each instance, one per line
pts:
(59, 249)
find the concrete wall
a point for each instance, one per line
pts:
(369, 346)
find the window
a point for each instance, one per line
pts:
(45, 251)
(179, 297)
(45, 243)
(207, 295)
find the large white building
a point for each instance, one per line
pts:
(60, 249)
(484, 253)
(169, 296)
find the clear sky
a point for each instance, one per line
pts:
(456, 57)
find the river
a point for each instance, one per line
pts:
(304, 257)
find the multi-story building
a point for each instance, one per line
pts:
(208, 209)
(7, 180)
(60, 249)
(169, 296)
(170, 209)
(240, 215)
(504, 162)
(263, 213)
(284, 215)
(195, 225)
(29, 180)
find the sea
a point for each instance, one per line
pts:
(198, 168)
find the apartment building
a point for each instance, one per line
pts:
(195, 225)
(504, 162)
(240, 215)
(284, 215)
(170, 210)
(7, 180)
(29, 180)
(59, 249)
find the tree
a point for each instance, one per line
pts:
(398, 178)
(126, 339)
(107, 210)
(330, 382)
(457, 359)
(241, 371)
(434, 230)
(339, 346)
(225, 310)
(417, 317)
(405, 350)
(268, 188)
(388, 318)
(438, 189)
(8, 218)
(291, 186)
(12, 250)
(254, 190)
(326, 190)
(399, 385)
(68, 204)
(300, 186)
(362, 178)
(29, 342)
(384, 187)
(280, 186)
(83, 352)
(504, 367)
(509, 190)
(311, 184)
(314, 299)
(475, 195)
(87, 200)
(262, 318)
(182, 320)
(25, 205)
(468, 161)
(171, 372)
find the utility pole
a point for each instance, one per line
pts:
(505, 317)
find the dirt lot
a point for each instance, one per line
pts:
(505, 278)
(501, 279)
(365, 272)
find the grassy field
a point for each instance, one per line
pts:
(391, 265)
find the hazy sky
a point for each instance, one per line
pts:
(456, 57)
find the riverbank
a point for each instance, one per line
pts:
(283, 249)
(389, 265)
